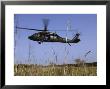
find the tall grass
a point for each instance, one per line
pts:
(56, 70)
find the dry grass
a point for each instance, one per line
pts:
(54, 70)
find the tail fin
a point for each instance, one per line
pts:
(76, 38)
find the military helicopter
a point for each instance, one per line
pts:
(46, 36)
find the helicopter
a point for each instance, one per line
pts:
(46, 36)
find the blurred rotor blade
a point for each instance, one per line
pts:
(28, 29)
(60, 30)
(45, 22)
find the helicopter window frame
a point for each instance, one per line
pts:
(4, 3)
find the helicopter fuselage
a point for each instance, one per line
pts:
(52, 37)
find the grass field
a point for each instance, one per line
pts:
(55, 70)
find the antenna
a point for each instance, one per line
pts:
(15, 33)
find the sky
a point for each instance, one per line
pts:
(45, 53)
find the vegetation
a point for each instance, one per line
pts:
(79, 69)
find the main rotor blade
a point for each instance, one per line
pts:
(40, 30)
(28, 29)
(60, 30)
(46, 22)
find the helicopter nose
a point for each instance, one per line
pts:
(30, 37)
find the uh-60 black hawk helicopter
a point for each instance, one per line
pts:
(46, 36)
